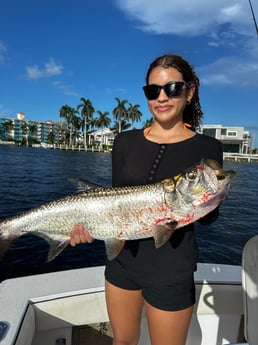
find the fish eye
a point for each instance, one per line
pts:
(191, 175)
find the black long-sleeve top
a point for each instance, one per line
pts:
(133, 158)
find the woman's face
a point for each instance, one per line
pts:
(164, 109)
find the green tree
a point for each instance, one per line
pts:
(25, 132)
(51, 138)
(65, 112)
(87, 111)
(32, 133)
(76, 123)
(93, 123)
(147, 123)
(70, 115)
(119, 112)
(103, 121)
(133, 113)
(123, 125)
(8, 127)
(61, 132)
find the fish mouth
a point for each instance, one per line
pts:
(219, 171)
(222, 174)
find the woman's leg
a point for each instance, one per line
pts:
(168, 327)
(124, 310)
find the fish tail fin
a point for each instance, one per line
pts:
(162, 233)
(113, 247)
(5, 244)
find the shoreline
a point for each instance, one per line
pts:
(227, 156)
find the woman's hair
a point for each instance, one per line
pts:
(192, 112)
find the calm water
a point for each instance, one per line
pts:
(30, 177)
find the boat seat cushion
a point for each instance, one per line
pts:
(250, 288)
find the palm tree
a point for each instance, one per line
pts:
(123, 125)
(87, 111)
(64, 112)
(93, 123)
(60, 128)
(133, 113)
(32, 132)
(51, 138)
(120, 112)
(25, 132)
(147, 123)
(72, 120)
(8, 127)
(75, 122)
(103, 121)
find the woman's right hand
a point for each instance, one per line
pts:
(80, 235)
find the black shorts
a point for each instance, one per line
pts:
(173, 297)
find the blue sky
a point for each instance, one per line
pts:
(54, 52)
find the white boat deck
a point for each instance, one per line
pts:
(44, 308)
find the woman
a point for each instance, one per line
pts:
(161, 279)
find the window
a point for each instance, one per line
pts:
(232, 148)
(232, 133)
(211, 132)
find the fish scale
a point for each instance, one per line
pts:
(125, 213)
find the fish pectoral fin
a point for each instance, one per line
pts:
(113, 247)
(56, 245)
(162, 233)
(56, 248)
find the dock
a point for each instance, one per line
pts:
(240, 157)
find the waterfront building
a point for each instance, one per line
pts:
(101, 137)
(234, 139)
(22, 131)
(45, 129)
(19, 130)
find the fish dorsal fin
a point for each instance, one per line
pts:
(113, 247)
(83, 185)
(162, 233)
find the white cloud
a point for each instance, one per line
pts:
(67, 90)
(50, 69)
(2, 52)
(230, 70)
(225, 23)
(188, 18)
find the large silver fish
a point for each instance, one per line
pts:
(118, 214)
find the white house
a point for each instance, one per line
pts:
(101, 137)
(234, 139)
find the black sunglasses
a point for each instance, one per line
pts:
(172, 89)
